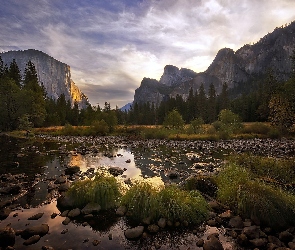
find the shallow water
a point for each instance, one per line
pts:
(47, 160)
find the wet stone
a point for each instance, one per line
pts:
(36, 216)
(32, 240)
(134, 233)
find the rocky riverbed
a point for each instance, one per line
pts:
(35, 175)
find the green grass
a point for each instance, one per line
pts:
(103, 189)
(247, 195)
(143, 201)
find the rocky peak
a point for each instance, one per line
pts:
(173, 75)
(53, 74)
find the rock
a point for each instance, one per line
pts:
(242, 239)
(200, 243)
(147, 221)
(134, 233)
(32, 240)
(53, 215)
(60, 180)
(271, 246)
(72, 170)
(252, 232)
(115, 171)
(214, 205)
(4, 213)
(11, 189)
(95, 242)
(162, 222)
(7, 237)
(291, 245)
(91, 208)
(51, 186)
(286, 236)
(121, 211)
(74, 213)
(261, 242)
(236, 222)
(172, 174)
(65, 213)
(64, 187)
(274, 240)
(226, 215)
(35, 230)
(211, 223)
(47, 248)
(153, 228)
(36, 216)
(66, 221)
(65, 202)
(212, 244)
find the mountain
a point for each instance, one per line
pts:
(234, 68)
(126, 107)
(53, 74)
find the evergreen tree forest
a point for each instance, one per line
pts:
(24, 103)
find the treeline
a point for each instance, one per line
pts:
(24, 104)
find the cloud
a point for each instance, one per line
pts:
(112, 45)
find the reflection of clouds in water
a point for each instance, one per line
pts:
(101, 160)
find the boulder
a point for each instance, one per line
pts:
(91, 208)
(252, 232)
(274, 240)
(121, 211)
(115, 171)
(153, 228)
(72, 170)
(134, 233)
(286, 236)
(236, 222)
(212, 244)
(64, 187)
(66, 221)
(4, 213)
(41, 230)
(74, 213)
(258, 243)
(36, 216)
(7, 237)
(65, 202)
(162, 222)
(32, 240)
(60, 180)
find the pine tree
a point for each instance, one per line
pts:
(34, 96)
(14, 72)
(212, 114)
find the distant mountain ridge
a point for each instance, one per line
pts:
(273, 52)
(53, 74)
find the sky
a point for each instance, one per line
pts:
(111, 45)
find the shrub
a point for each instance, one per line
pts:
(140, 201)
(143, 200)
(155, 133)
(257, 128)
(178, 205)
(251, 198)
(100, 128)
(103, 189)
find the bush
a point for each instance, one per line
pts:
(155, 133)
(100, 128)
(140, 201)
(252, 198)
(257, 128)
(178, 205)
(145, 201)
(103, 189)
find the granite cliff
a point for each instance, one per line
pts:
(273, 52)
(53, 74)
